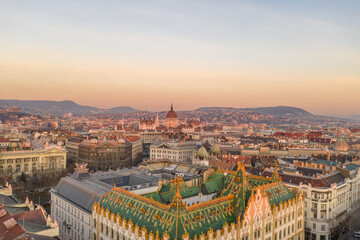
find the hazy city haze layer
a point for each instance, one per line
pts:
(204, 53)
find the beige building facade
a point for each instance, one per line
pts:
(15, 163)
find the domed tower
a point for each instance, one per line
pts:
(202, 154)
(215, 150)
(171, 118)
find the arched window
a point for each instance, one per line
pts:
(94, 222)
(26, 167)
(94, 236)
(34, 167)
(9, 169)
(18, 168)
(102, 227)
(112, 233)
(107, 230)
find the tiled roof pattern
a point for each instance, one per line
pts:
(193, 220)
(152, 210)
(278, 192)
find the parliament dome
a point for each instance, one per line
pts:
(171, 113)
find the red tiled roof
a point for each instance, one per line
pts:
(133, 138)
(4, 139)
(35, 216)
(12, 233)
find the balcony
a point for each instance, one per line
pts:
(314, 209)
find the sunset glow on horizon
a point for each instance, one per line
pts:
(196, 54)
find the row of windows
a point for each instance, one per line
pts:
(19, 160)
(105, 230)
(288, 218)
(282, 233)
(9, 169)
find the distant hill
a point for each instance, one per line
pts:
(281, 111)
(277, 111)
(124, 109)
(59, 108)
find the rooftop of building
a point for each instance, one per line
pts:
(165, 211)
(83, 188)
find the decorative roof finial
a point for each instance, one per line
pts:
(275, 177)
(177, 181)
(172, 108)
(241, 166)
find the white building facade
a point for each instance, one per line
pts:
(173, 151)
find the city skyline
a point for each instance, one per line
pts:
(145, 55)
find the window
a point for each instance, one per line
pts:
(1, 170)
(322, 227)
(9, 169)
(18, 168)
(314, 226)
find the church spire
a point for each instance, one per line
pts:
(172, 108)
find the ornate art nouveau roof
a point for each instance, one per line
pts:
(166, 212)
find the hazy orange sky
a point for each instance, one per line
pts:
(203, 53)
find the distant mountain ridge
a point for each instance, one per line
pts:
(59, 108)
(277, 111)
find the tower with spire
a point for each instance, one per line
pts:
(171, 120)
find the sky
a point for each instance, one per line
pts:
(147, 54)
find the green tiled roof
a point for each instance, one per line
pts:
(327, 162)
(193, 220)
(166, 212)
(278, 192)
(168, 190)
(351, 166)
(153, 195)
(216, 175)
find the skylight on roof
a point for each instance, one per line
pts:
(10, 223)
